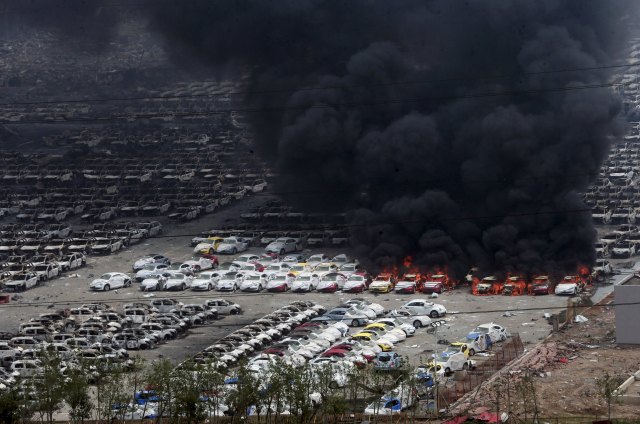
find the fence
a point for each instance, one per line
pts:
(466, 381)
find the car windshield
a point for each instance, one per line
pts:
(206, 276)
(230, 275)
(273, 267)
(356, 278)
(348, 267)
(149, 267)
(297, 268)
(41, 267)
(330, 277)
(105, 276)
(65, 259)
(323, 268)
(281, 240)
(483, 330)
(304, 278)
(177, 276)
(253, 278)
(280, 278)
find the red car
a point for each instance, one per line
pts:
(434, 284)
(540, 286)
(212, 258)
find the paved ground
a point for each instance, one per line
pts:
(466, 310)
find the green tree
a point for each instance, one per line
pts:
(13, 406)
(607, 386)
(76, 394)
(48, 386)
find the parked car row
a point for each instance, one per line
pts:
(19, 273)
(97, 333)
(101, 239)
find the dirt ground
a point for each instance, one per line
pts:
(564, 369)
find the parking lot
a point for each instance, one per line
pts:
(465, 311)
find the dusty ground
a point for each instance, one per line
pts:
(565, 368)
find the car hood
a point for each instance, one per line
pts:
(275, 245)
(226, 282)
(149, 282)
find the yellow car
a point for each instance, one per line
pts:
(209, 246)
(385, 346)
(299, 267)
(375, 326)
(383, 283)
(363, 335)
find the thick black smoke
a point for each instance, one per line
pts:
(408, 138)
(89, 24)
(445, 132)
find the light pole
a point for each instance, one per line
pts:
(435, 325)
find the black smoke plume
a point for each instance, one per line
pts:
(443, 128)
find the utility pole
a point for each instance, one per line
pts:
(435, 325)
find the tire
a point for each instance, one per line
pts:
(183, 287)
(127, 283)
(465, 366)
(107, 287)
(472, 352)
(417, 324)
(447, 371)
(333, 385)
(234, 251)
(211, 251)
(233, 312)
(209, 287)
(355, 323)
(259, 288)
(282, 252)
(197, 268)
(434, 314)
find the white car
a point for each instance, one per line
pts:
(72, 261)
(409, 317)
(568, 286)
(280, 282)
(23, 281)
(276, 268)
(305, 282)
(408, 329)
(282, 245)
(318, 258)
(154, 281)
(232, 245)
(47, 271)
(247, 257)
(348, 268)
(424, 307)
(200, 264)
(205, 281)
(496, 332)
(150, 269)
(178, 281)
(355, 284)
(137, 265)
(229, 281)
(223, 306)
(375, 307)
(253, 282)
(110, 280)
(331, 282)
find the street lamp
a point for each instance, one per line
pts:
(435, 325)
